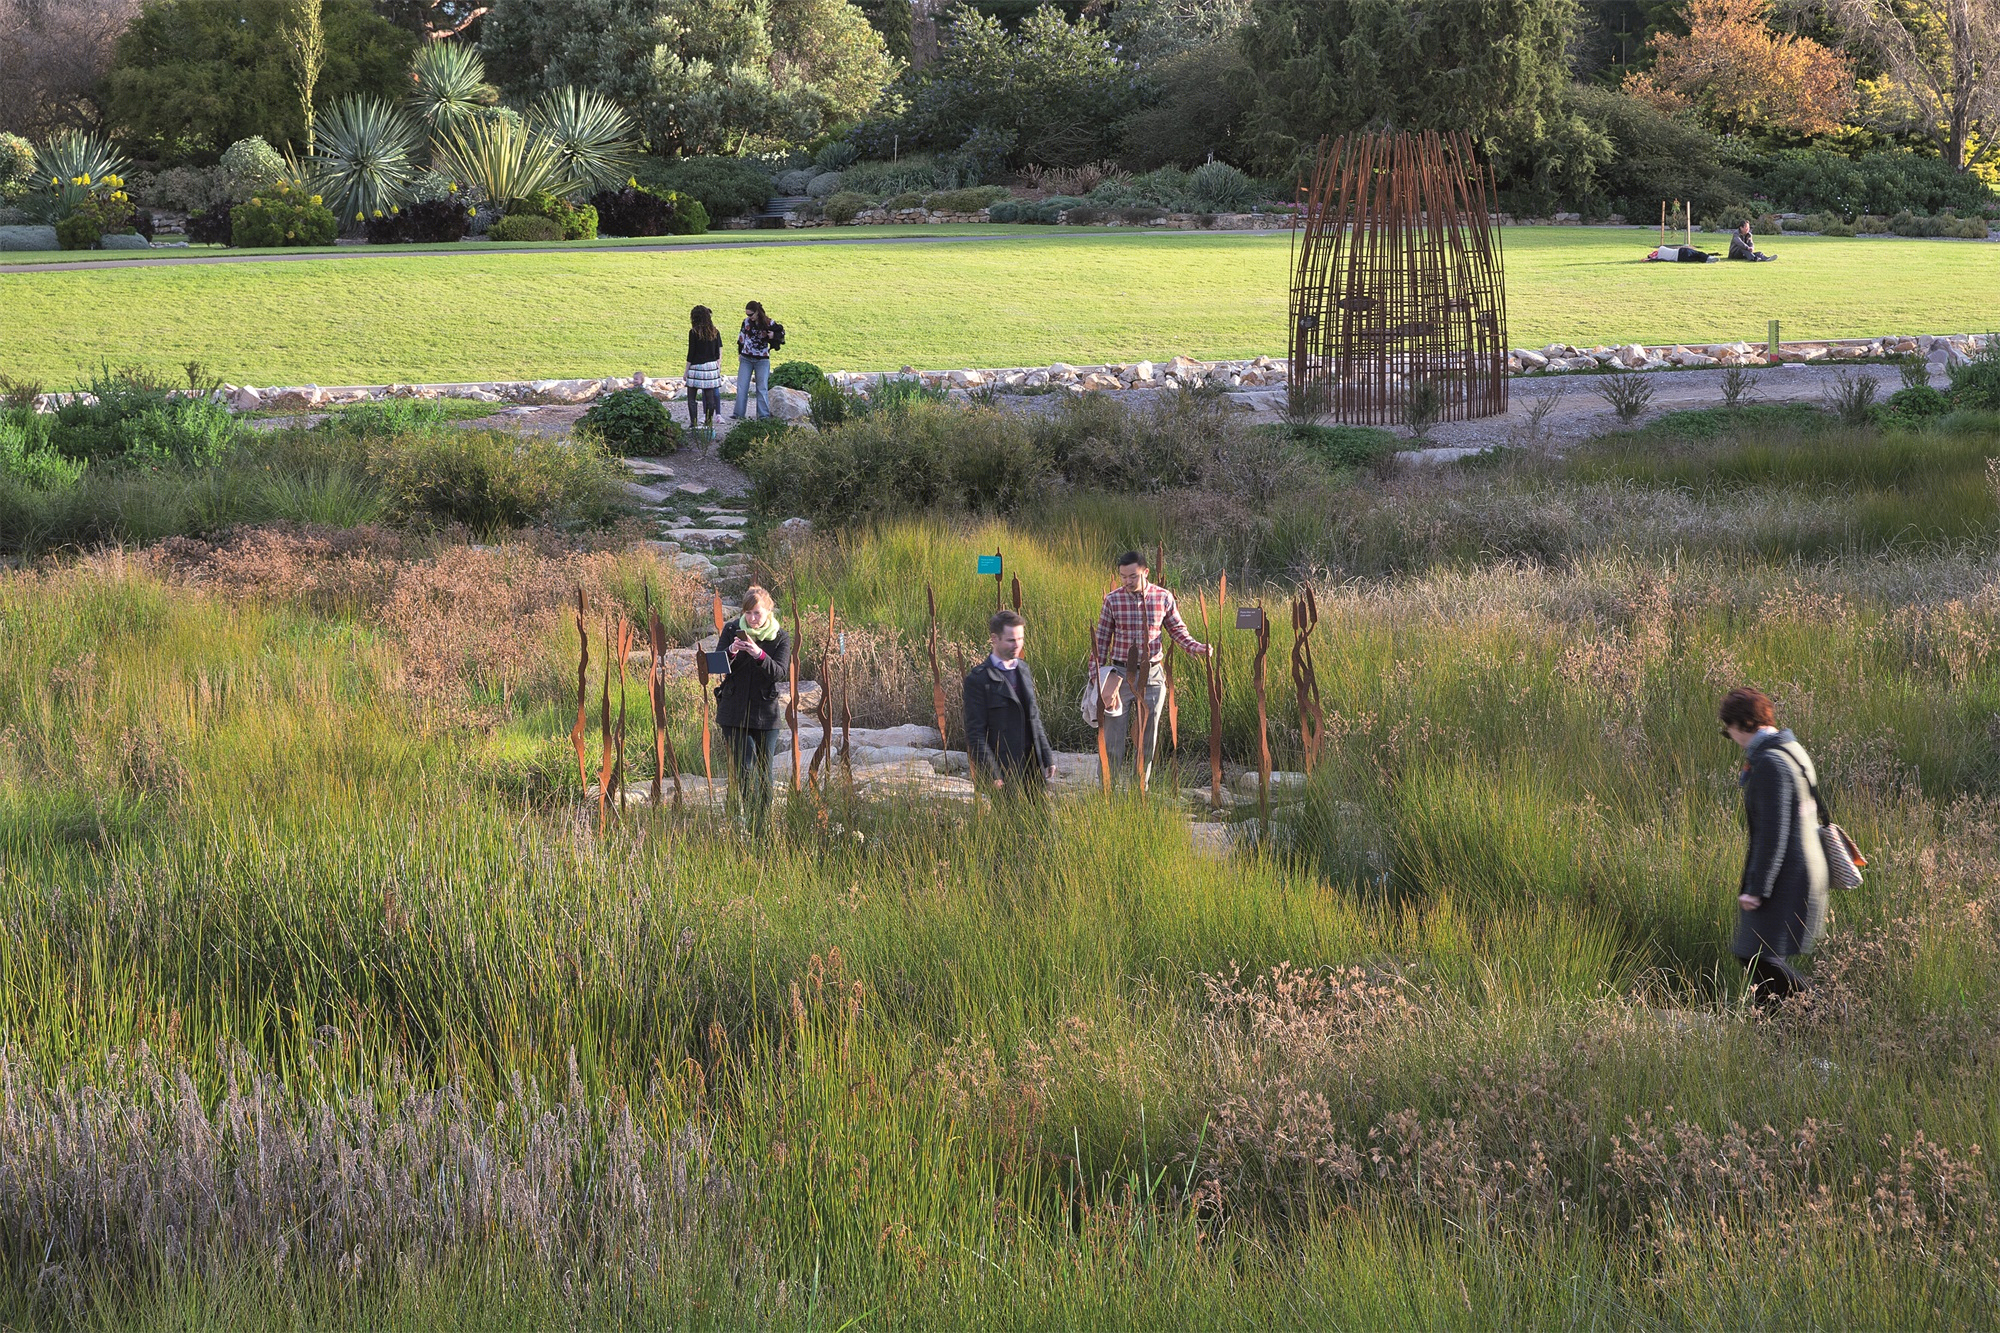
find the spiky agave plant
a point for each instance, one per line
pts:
(504, 160)
(71, 162)
(450, 86)
(592, 134)
(364, 156)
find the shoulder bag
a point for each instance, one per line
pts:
(1843, 859)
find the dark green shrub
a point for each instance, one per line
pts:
(211, 226)
(1913, 406)
(726, 186)
(577, 221)
(1344, 446)
(830, 406)
(1141, 215)
(1977, 386)
(633, 210)
(1005, 210)
(747, 436)
(690, 215)
(524, 227)
(633, 423)
(433, 222)
(1084, 215)
(138, 419)
(843, 206)
(964, 201)
(801, 375)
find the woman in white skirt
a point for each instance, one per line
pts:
(704, 367)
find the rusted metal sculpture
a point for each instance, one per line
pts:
(1263, 717)
(937, 675)
(664, 758)
(1397, 281)
(822, 708)
(792, 701)
(1167, 656)
(1305, 680)
(1213, 664)
(581, 729)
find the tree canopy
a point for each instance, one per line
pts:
(700, 76)
(191, 77)
(1493, 68)
(1743, 76)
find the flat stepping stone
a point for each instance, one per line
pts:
(704, 535)
(645, 467)
(724, 520)
(651, 495)
(693, 488)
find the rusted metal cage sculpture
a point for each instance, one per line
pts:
(1397, 282)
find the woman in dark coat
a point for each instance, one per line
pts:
(747, 704)
(1782, 898)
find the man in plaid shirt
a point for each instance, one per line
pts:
(1133, 617)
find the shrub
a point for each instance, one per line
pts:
(211, 226)
(1345, 446)
(28, 453)
(907, 199)
(726, 186)
(631, 422)
(285, 217)
(747, 436)
(1852, 398)
(793, 183)
(801, 375)
(493, 480)
(139, 419)
(926, 456)
(1913, 406)
(844, 207)
(633, 210)
(191, 189)
(1217, 187)
(104, 210)
(1628, 395)
(1140, 215)
(576, 222)
(830, 406)
(917, 173)
(17, 167)
(1977, 385)
(836, 155)
(690, 215)
(253, 166)
(1083, 215)
(824, 186)
(435, 222)
(964, 201)
(524, 227)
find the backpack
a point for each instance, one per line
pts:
(776, 336)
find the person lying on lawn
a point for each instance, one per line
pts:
(1679, 254)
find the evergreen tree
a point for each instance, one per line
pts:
(892, 19)
(1493, 68)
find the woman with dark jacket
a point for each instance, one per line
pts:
(747, 706)
(753, 360)
(1782, 899)
(704, 367)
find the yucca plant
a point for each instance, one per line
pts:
(71, 162)
(592, 134)
(451, 86)
(505, 161)
(365, 156)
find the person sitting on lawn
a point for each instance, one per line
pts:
(1740, 246)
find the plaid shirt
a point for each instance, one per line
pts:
(1129, 619)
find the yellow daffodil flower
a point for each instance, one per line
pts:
(315, 199)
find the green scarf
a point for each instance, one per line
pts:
(763, 633)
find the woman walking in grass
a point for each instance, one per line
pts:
(746, 702)
(704, 367)
(753, 360)
(1783, 897)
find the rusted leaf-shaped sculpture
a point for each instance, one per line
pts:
(707, 703)
(664, 758)
(1263, 718)
(604, 731)
(625, 637)
(1213, 663)
(937, 675)
(792, 703)
(577, 732)
(1305, 679)
(822, 711)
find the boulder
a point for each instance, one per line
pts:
(245, 399)
(1531, 360)
(1143, 372)
(790, 404)
(292, 400)
(1289, 783)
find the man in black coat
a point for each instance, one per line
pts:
(1003, 718)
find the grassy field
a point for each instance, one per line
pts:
(323, 1001)
(1023, 296)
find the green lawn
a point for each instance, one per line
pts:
(1025, 296)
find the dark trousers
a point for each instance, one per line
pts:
(1773, 979)
(710, 400)
(750, 753)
